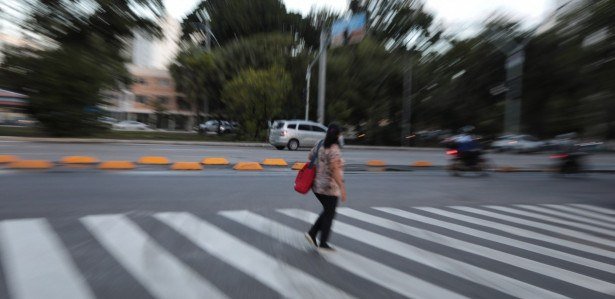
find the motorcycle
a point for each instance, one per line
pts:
(569, 162)
(472, 161)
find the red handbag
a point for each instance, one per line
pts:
(305, 176)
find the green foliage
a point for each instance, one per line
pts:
(194, 72)
(256, 96)
(80, 56)
(232, 20)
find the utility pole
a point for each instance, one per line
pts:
(514, 82)
(406, 118)
(322, 75)
(308, 78)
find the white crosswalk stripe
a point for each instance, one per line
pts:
(36, 263)
(488, 278)
(577, 211)
(540, 225)
(595, 209)
(160, 272)
(287, 280)
(503, 240)
(388, 277)
(541, 268)
(518, 231)
(569, 216)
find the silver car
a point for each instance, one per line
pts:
(294, 134)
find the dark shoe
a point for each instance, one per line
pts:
(311, 239)
(326, 247)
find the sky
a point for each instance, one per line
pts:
(456, 15)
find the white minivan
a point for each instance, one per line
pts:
(293, 134)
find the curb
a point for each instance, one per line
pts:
(189, 166)
(215, 161)
(117, 165)
(248, 166)
(206, 143)
(153, 160)
(31, 164)
(79, 160)
(274, 162)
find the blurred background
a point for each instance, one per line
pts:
(227, 69)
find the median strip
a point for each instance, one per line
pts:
(79, 160)
(376, 163)
(191, 166)
(117, 165)
(248, 166)
(31, 164)
(422, 164)
(215, 161)
(298, 165)
(274, 162)
(154, 160)
(8, 159)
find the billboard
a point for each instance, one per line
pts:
(349, 31)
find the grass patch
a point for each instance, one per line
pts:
(127, 135)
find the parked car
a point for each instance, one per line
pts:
(517, 143)
(293, 134)
(130, 125)
(108, 121)
(212, 126)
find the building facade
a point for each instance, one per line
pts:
(151, 99)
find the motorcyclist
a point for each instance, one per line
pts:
(467, 148)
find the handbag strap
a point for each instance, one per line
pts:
(315, 156)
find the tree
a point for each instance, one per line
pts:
(256, 96)
(232, 20)
(194, 72)
(81, 55)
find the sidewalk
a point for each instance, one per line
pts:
(201, 143)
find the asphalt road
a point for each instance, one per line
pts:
(132, 152)
(216, 234)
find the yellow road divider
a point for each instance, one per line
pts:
(187, 166)
(248, 166)
(275, 162)
(422, 164)
(31, 164)
(152, 160)
(117, 165)
(376, 163)
(79, 160)
(8, 159)
(298, 165)
(215, 161)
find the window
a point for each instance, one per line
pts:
(318, 129)
(140, 80)
(141, 99)
(279, 125)
(292, 126)
(182, 104)
(304, 128)
(163, 100)
(164, 82)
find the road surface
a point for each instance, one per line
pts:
(132, 152)
(223, 234)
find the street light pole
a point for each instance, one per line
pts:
(322, 76)
(308, 78)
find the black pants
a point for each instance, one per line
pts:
(324, 221)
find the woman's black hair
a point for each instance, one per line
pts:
(333, 134)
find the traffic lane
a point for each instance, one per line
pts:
(78, 193)
(132, 152)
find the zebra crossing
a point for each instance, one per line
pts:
(512, 251)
